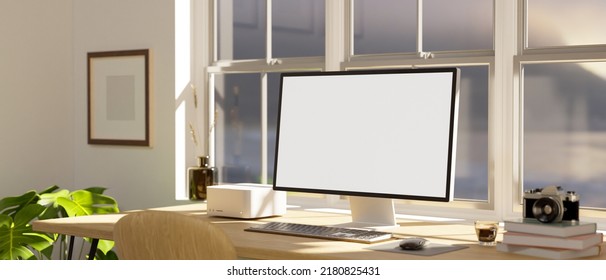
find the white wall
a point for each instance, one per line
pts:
(36, 101)
(43, 118)
(139, 177)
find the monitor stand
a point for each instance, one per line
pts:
(371, 213)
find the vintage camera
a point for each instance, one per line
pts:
(551, 205)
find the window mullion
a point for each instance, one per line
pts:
(335, 34)
(264, 125)
(419, 26)
(522, 30)
(502, 107)
(263, 92)
(268, 32)
(348, 48)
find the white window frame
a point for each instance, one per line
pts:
(545, 55)
(459, 207)
(505, 129)
(261, 66)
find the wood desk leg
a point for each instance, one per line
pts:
(71, 247)
(93, 249)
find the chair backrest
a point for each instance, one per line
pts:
(163, 235)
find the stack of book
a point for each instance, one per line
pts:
(564, 240)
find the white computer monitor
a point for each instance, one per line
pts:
(373, 135)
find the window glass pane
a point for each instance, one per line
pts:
(471, 180)
(238, 127)
(241, 29)
(565, 22)
(457, 25)
(297, 28)
(565, 128)
(385, 26)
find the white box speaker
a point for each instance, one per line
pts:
(245, 201)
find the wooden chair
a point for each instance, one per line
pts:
(163, 235)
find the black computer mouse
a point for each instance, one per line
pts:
(413, 243)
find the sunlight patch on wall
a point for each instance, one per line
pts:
(182, 82)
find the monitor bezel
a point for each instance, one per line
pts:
(451, 141)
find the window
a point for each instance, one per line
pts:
(557, 23)
(439, 36)
(238, 103)
(530, 86)
(562, 66)
(445, 29)
(297, 28)
(256, 40)
(394, 26)
(385, 26)
(565, 128)
(247, 79)
(471, 179)
(241, 28)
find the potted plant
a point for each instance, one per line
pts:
(19, 241)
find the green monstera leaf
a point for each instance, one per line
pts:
(12, 205)
(17, 238)
(78, 203)
(85, 202)
(88, 202)
(49, 200)
(19, 241)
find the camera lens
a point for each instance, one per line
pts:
(546, 209)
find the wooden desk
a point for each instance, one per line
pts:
(250, 245)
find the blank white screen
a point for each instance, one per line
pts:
(386, 134)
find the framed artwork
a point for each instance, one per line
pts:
(118, 98)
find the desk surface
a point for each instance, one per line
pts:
(251, 245)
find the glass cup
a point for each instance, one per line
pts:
(486, 232)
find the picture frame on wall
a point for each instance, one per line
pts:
(118, 97)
